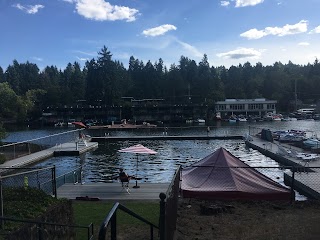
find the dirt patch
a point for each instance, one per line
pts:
(207, 220)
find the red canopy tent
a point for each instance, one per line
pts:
(223, 176)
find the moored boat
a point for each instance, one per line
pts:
(200, 120)
(313, 143)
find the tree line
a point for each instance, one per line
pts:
(25, 90)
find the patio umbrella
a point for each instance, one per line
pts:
(79, 125)
(137, 149)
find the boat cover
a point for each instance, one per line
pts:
(223, 176)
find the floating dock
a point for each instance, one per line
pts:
(112, 191)
(65, 149)
(162, 137)
(306, 182)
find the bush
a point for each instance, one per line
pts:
(2, 158)
(25, 203)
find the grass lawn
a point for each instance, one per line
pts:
(127, 226)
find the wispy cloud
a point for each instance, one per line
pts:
(157, 31)
(38, 59)
(246, 3)
(224, 3)
(241, 53)
(82, 59)
(299, 27)
(100, 10)
(303, 44)
(191, 49)
(30, 9)
(86, 53)
(315, 30)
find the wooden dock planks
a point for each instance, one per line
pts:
(112, 191)
(61, 149)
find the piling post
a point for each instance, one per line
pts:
(292, 184)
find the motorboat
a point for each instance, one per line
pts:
(313, 143)
(232, 119)
(290, 137)
(200, 120)
(241, 119)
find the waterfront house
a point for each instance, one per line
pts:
(257, 107)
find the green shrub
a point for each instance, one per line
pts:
(2, 158)
(24, 203)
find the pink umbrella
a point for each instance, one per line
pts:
(79, 125)
(137, 149)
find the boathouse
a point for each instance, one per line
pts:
(257, 106)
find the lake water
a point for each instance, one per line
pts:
(100, 164)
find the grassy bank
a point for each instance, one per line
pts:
(127, 226)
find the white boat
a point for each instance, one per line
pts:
(59, 124)
(290, 137)
(200, 120)
(241, 119)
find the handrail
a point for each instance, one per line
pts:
(176, 174)
(16, 174)
(89, 227)
(111, 217)
(35, 139)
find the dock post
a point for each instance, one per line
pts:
(1, 204)
(54, 181)
(292, 184)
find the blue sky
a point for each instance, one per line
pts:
(230, 32)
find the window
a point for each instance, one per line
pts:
(270, 106)
(221, 107)
(236, 106)
(255, 106)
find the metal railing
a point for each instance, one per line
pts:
(40, 178)
(14, 150)
(41, 231)
(171, 206)
(75, 176)
(214, 131)
(112, 220)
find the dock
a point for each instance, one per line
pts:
(306, 182)
(64, 149)
(112, 191)
(163, 137)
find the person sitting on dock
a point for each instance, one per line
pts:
(124, 178)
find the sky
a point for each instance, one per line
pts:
(230, 32)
